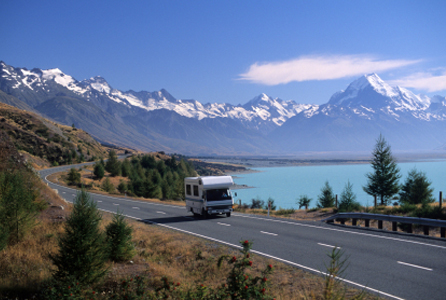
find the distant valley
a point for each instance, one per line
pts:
(156, 121)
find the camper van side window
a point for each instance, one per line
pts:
(188, 189)
(196, 190)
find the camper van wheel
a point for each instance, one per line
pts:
(204, 214)
(228, 214)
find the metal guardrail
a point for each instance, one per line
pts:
(426, 223)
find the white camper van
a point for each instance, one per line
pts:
(209, 195)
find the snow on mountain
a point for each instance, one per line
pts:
(261, 109)
(277, 110)
(369, 94)
(364, 97)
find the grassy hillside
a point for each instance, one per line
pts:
(47, 143)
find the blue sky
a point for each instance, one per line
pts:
(231, 51)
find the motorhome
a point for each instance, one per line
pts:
(209, 195)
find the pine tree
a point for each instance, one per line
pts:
(348, 199)
(113, 166)
(99, 171)
(74, 177)
(17, 208)
(383, 182)
(416, 189)
(326, 198)
(81, 254)
(119, 239)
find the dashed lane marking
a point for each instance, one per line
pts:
(414, 266)
(269, 233)
(223, 224)
(325, 245)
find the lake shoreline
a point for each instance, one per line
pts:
(253, 163)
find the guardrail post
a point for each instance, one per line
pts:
(441, 199)
(409, 228)
(426, 230)
(342, 221)
(394, 226)
(336, 203)
(443, 232)
(367, 223)
(380, 224)
(354, 221)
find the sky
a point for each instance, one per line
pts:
(232, 51)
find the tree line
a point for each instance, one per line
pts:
(147, 177)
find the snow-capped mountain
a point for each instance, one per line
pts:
(351, 120)
(370, 93)
(260, 110)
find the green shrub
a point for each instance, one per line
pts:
(284, 211)
(74, 177)
(119, 239)
(108, 186)
(304, 201)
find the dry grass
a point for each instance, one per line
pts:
(160, 252)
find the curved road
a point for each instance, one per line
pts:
(395, 266)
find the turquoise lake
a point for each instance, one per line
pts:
(286, 184)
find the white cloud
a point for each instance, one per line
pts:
(307, 68)
(423, 81)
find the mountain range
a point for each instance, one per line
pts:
(350, 121)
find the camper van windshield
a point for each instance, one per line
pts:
(218, 194)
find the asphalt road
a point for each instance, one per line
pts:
(396, 266)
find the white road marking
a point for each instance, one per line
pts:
(63, 192)
(264, 232)
(73, 194)
(161, 212)
(325, 245)
(115, 203)
(340, 230)
(266, 255)
(99, 201)
(135, 207)
(223, 224)
(414, 266)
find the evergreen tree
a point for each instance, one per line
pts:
(326, 198)
(113, 166)
(416, 189)
(99, 171)
(304, 201)
(126, 168)
(17, 208)
(348, 199)
(108, 186)
(119, 239)
(383, 182)
(74, 177)
(122, 187)
(81, 254)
